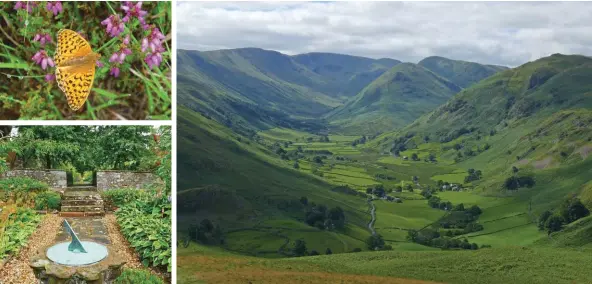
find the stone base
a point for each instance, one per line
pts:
(103, 272)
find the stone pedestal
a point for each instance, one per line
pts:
(102, 272)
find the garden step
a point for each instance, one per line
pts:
(81, 214)
(82, 208)
(74, 202)
(81, 188)
(81, 195)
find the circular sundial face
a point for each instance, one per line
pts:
(59, 253)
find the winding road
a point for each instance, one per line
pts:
(373, 214)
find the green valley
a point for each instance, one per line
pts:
(327, 168)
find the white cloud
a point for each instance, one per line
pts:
(505, 33)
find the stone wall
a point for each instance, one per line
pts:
(55, 179)
(107, 180)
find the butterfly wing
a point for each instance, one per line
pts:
(76, 83)
(74, 77)
(70, 45)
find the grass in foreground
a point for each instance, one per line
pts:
(198, 264)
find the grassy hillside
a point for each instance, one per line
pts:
(347, 75)
(199, 264)
(529, 92)
(249, 88)
(536, 118)
(393, 100)
(254, 197)
(461, 73)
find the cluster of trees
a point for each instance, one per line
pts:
(432, 238)
(206, 233)
(299, 249)
(88, 148)
(515, 182)
(319, 159)
(384, 177)
(377, 190)
(376, 242)
(473, 175)
(456, 133)
(318, 152)
(435, 202)
(444, 185)
(347, 190)
(569, 211)
(321, 217)
(463, 219)
(469, 152)
(361, 140)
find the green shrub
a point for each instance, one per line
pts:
(22, 184)
(20, 190)
(148, 233)
(19, 227)
(133, 276)
(120, 197)
(48, 200)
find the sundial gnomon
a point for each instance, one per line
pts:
(76, 252)
(75, 245)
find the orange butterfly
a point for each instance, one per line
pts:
(75, 67)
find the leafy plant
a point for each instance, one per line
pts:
(133, 276)
(120, 197)
(48, 200)
(20, 190)
(149, 233)
(19, 226)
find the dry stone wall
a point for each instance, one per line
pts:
(107, 180)
(55, 179)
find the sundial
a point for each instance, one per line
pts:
(76, 252)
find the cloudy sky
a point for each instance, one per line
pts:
(505, 33)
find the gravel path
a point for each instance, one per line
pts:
(17, 270)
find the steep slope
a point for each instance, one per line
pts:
(258, 77)
(241, 186)
(533, 90)
(347, 74)
(461, 73)
(536, 118)
(395, 99)
(252, 88)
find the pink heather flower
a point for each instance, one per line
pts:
(119, 57)
(42, 39)
(126, 40)
(114, 72)
(100, 64)
(43, 59)
(155, 58)
(133, 10)
(54, 7)
(114, 25)
(154, 40)
(25, 6)
(49, 77)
